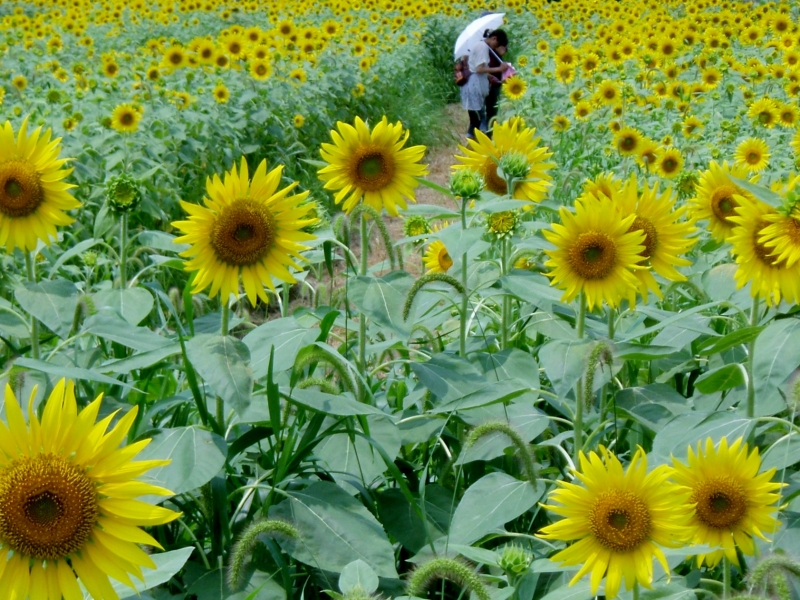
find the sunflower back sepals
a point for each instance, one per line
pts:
(522, 448)
(244, 547)
(450, 569)
(425, 279)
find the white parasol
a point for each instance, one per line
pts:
(475, 32)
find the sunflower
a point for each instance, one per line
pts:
(691, 126)
(205, 51)
(561, 123)
(647, 154)
(299, 120)
(788, 115)
(764, 111)
(436, 258)
(174, 58)
(247, 228)
(261, 70)
(711, 78)
(514, 87)
(669, 162)
(153, 73)
(608, 92)
(125, 118)
(110, 68)
(565, 73)
(484, 154)
(795, 143)
(770, 278)
(33, 195)
(619, 519)
(67, 508)
(372, 165)
(753, 154)
(596, 252)
(733, 502)
(583, 110)
(627, 141)
(782, 235)
(667, 235)
(221, 93)
(715, 198)
(299, 75)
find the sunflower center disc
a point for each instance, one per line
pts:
(753, 158)
(620, 520)
(720, 502)
(650, 241)
(669, 165)
(21, 190)
(722, 203)
(628, 143)
(761, 251)
(373, 169)
(493, 182)
(126, 119)
(48, 507)
(592, 256)
(243, 233)
(445, 262)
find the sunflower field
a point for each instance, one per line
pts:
(272, 327)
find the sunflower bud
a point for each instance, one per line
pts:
(514, 165)
(122, 192)
(416, 225)
(466, 184)
(89, 258)
(515, 560)
(502, 224)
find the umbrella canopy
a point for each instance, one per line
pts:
(474, 32)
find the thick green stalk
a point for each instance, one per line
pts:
(751, 386)
(123, 251)
(362, 318)
(31, 268)
(285, 289)
(226, 316)
(635, 590)
(505, 316)
(462, 338)
(578, 422)
(726, 578)
(612, 315)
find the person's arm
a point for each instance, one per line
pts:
(483, 68)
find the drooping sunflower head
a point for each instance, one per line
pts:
(733, 501)
(511, 136)
(67, 504)
(502, 224)
(752, 153)
(248, 228)
(770, 277)
(595, 252)
(371, 165)
(436, 258)
(618, 520)
(33, 195)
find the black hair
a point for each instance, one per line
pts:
(502, 37)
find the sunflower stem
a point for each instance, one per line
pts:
(123, 251)
(462, 329)
(505, 315)
(726, 578)
(226, 316)
(751, 386)
(362, 318)
(31, 269)
(285, 289)
(635, 590)
(578, 422)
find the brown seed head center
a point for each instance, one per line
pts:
(720, 502)
(21, 190)
(593, 255)
(620, 520)
(244, 232)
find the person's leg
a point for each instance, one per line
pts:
(491, 108)
(474, 123)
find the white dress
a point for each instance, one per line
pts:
(474, 92)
